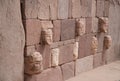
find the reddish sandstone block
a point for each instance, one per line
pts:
(88, 25)
(66, 53)
(53, 74)
(43, 9)
(76, 8)
(30, 8)
(53, 9)
(46, 54)
(33, 31)
(86, 8)
(56, 30)
(100, 8)
(97, 60)
(94, 25)
(107, 6)
(63, 9)
(67, 29)
(68, 70)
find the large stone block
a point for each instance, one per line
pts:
(43, 9)
(84, 64)
(94, 25)
(107, 6)
(46, 54)
(56, 30)
(97, 60)
(66, 53)
(63, 9)
(76, 12)
(67, 29)
(88, 25)
(53, 74)
(68, 70)
(86, 8)
(33, 31)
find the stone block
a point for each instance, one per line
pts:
(66, 54)
(43, 9)
(56, 30)
(97, 60)
(67, 29)
(94, 25)
(63, 9)
(29, 50)
(46, 54)
(30, 8)
(100, 8)
(46, 24)
(52, 74)
(33, 31)
(68, 70)
(86, 8)
(84, 64)
(88, 25)
(53, 9)
(107, 6)
(76, 12)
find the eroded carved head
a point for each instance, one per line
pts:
(94, 45)
(107, 41)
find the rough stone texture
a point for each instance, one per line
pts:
(12, 41)
(107, 6)
(30, 8)
(93, 8)
(88, 25)
(53, 9)
(85, 45)
(86, 8)
(68, 70)
(100, 8)
(84, 64)
(43, 9)
(97, 60)
(29, 50)
(33, 31)
(94, 25)
(76, 8)
(67, 29)
(66, 54)
(63, 9)
(107, 41)
(94, 45)
(53, 74)
(46, 54)
(75, 50)
(46, 24)
(56, 30)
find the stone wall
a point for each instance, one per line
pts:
(67, 37)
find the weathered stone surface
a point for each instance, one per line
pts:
(12, 41)
(33, 31)
(94, 45)
(75, 50)
(86, 8)
(43, 9)
(68, 70)
(46, 54)
(55, 57)
(107, 41)
(33, 63)
(56, 30)
(100, 8)
(80, 27)
(29, 50)
(94, 25)
(46, 24)
(53, 9)
(76, 9)
(66, 54)
(84, 64)
(67, 29)
(107, 6)
(93, 8)
(88, 25)
(63, 9)
(97, 60)
(85, 45)
(30, 8)
(53, 74)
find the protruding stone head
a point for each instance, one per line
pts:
(47, 36)
(80, 27)
(94, 45)
(107, 41)
(103, 25)
(33, 63)
(55, 57)
(75, 50)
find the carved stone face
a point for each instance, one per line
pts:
(33, 63)
(75, 51)
(94, 45)
(55, 57)
(48, 36)
(103, 24)
(80, 27)
(107, 41)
